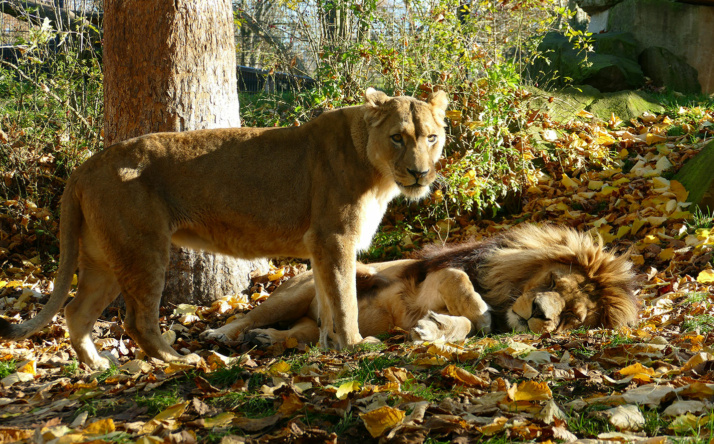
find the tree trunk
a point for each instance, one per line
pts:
(171, 66)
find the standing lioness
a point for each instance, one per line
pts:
(317, 191)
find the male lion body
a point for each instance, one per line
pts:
(545, 279)
(316, 191)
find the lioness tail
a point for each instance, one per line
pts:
(70, 224)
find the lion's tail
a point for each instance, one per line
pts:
(70, 225)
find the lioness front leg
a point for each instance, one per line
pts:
(334, 263)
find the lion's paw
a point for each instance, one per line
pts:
(214, 335)
(260, 337)
(428, 329)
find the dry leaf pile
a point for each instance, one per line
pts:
(650, 383)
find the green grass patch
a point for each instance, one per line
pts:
(158, 401)
(246, 403)
(703, 323)
(7, 367)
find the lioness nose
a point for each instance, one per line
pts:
(418, 174)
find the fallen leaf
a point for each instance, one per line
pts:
(382, 419)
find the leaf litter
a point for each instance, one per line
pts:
(653, 382)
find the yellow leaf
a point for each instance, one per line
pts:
(347, 388)
(679, 191)
(291, 342)
(624, 153)
(622, 231)
(279, 367)
(220, 420)
(291, 404)
(382, 419)
(74, 280)
(584, 114)
(636, 225)
(654, 138)
(276, 275)
(29, 367)
(666, 254)
(605, 139)
(660, 183)
(172, 412)
(568, 182)
(637, 259)
(463, 376)
(656, 221)
(614, 120)
(530, 391)
(595, 184)
(606, 191)
(454, 115)
(620, 181)
(101, 427)
(706, 277)
(185, 309)
(496, 426)
(651, 239)
(636, 369)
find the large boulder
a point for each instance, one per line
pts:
(562, 105)
(625, 104)
(613, 67)
(696, 176)
(666, 69)
(683, 29)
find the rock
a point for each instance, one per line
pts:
(683, 29)
(613, 70)
(696, 176)
(666, 69)
(621, 44)
(566, 102)
(625, 104)
(594, 6)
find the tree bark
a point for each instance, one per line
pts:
(170, 66)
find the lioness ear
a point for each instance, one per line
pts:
(374, 98)
(438, 100)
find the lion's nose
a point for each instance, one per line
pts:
(418, 174)
(537, 311)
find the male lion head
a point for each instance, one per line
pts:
(560, 279)
(406, 137)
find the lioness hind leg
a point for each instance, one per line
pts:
(305, 330)
(142, 286)
(96, 289)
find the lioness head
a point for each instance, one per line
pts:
(406, 137)
(560, 279)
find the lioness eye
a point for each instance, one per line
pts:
(431, 138)
(397, 138)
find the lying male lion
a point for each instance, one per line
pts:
(317, 191)
(543, 279)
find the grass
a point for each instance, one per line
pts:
(701, 219)
(694, 298)
(225, 375)
(71, 369)
(367, 369)
(703, 323)
(111, 371)
(158, 401)
(7, 367)
(250, 405)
